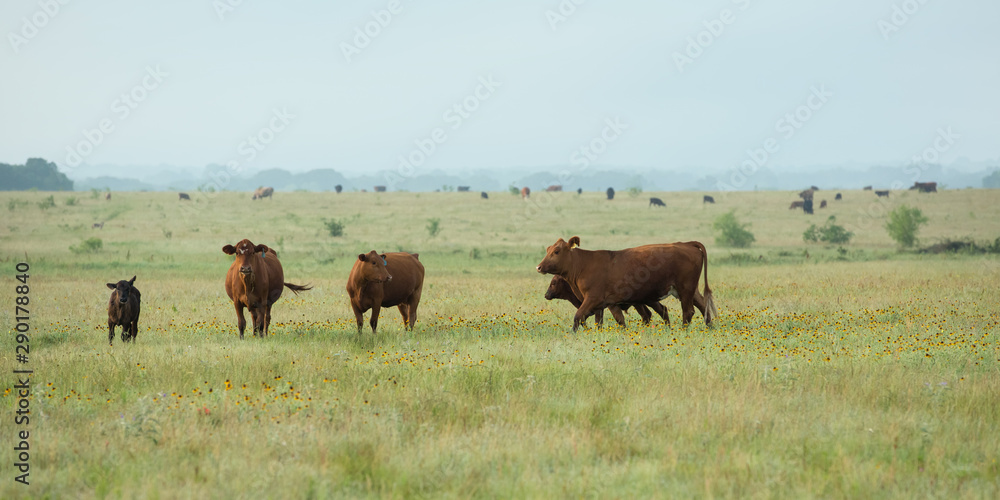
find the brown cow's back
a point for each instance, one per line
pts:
(407, 277)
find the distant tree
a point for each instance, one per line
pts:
(992, 181)
(36, 173)
(903, 225)
(733, 233)
(828, 233)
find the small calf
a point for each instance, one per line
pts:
(123, 310)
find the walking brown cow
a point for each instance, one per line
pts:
(796, 204)
(640, 275)
(559, 288)
(255, 281)
(386, 280)
(123, 310)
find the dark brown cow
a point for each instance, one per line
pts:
(838, 197)
(796, 204)
(610, 193)
(925, 187)
(98, 225)
(814, 188)
(338, 188)
(559, 288)
(255, 281)
(866, 188)
(483, 195)
(807, 194)
(123, 310)
(579, 191)
(387, 280)
(183, 196)
(263, 192)
(822, 204)
(882, 193)
(462, 189)
(379, 189)
(107, 197)
(525, 192)
(640, 275)
(707, 199)
(656, 202)
(555, 188)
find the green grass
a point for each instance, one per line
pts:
(859, 373)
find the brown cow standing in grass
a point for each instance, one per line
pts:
(255, 281)
(796, 204)
(263, 192)
(386, 280)
(123, 310)
(559, 288)
(525, 192)
(640, 275)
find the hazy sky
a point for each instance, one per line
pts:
(691, 84)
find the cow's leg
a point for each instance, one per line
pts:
(412, 309)
(267, 320)
(687, 307)
(699, 302)
(661, 310)
(259, 317)
(135, 331)
(374, 320)
(643, 313)
(616, 312)
(598, 318)
(240, 319)
(404, 310)
(587, 308)
(111, 332)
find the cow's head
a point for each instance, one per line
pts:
(558, 289)
(557, 257)
(373, 267)
(123, 288)
(246, 254)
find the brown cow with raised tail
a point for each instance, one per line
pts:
(255, 281)
(123, 310)
(386, 280)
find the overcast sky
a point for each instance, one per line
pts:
(692, 84)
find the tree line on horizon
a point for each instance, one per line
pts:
(36, 173)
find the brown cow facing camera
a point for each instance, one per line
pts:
(123, 310)
(255, 281)
(386, 280)
(640, 275)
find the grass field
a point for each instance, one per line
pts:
(852, 371)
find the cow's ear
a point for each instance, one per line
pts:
(383, 259)
(111, 286)
(261, 248)
(132, 280)
(229, 249)
(574, 241)
(361, 257)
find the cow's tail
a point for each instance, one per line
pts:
(298, 288)
(710, 312)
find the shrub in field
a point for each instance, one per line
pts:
(828, 233)
(335, 227)
(71, 201)
(903, 225)
(733, 233)
(433, 227)
(634, 191)
(47, 203)
(514, 190)
(89, 245)
(94, 193)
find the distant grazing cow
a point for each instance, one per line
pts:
(882, 193)
(525, 192)
(579, 190)
(107, 196)
(640, 275)
(559, 288)
(822, 204)
(386, 280)
(866, 188)
(338, 188)
(554, 188)
(656, 202)
(611, 193)
(838, 197)
(263, 192)
(807, 206)
(98, 225)
(255, 281)
(379, 189)
(814, 188)
(796, 204)
(807, 194)
(484, 196)
(123, 310)
(183, 196)
(925, 187)
(462, 189)
(707, 199)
